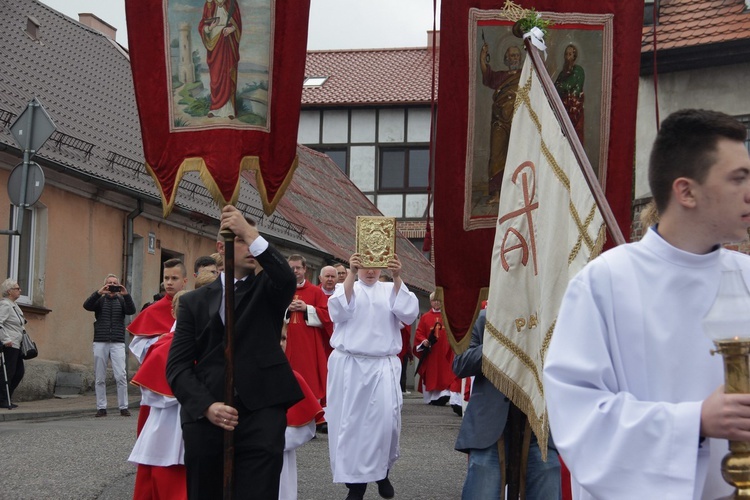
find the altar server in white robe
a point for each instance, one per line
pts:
(364, 393)
(634, 396)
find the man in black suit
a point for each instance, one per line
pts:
(264, 383)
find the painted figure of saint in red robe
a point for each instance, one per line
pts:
(220, 30)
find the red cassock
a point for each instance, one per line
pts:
(405, 342)
(436, 372)
(155, 320)
(222, 53)
(305, 411)
(153, 372)
(306, 345)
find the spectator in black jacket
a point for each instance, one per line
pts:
(110, 304)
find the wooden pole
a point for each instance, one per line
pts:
(514, 426)
(228, 358)
(575, 143)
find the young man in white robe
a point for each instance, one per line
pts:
(364, 394)
(635, 398)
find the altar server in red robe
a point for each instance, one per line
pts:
(437, 382)
(308, 323)
(159, 450)
(300, 428)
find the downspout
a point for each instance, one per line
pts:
(129, 252)
(129, 266)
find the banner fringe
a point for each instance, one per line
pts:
(270, 205)
(198, 164)
(540, 426)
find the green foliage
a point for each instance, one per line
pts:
(533, 19)
(181, 122)
(252, 86)
(198, 107)
(197, 64)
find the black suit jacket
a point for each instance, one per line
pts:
(262, 375)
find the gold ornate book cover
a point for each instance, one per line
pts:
(376, 240)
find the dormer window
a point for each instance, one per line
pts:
(32, 27)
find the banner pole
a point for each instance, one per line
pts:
(575, 143)
(228, 358)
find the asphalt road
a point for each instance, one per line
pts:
(86, 458)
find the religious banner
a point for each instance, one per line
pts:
(593, 58)
(218, 85)
(548, 228)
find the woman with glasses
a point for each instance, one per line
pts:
(11, 330)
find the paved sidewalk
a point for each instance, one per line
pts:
(67, 406)
(83, 405)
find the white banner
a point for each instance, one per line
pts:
(548, 228)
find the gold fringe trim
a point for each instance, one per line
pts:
(198, 164)
(506, 385)
(517, 352)
(460, 346)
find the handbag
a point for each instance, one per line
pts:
(28, 347)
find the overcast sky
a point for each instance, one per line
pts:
(334, 24)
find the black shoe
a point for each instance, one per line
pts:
(458, 410)
(441, 401)
(356, 491)
(385, 488)
(101, 413)
(8, 406)
(322, 428)
(125, 413)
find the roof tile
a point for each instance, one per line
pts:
(688, 23)
(370, 76)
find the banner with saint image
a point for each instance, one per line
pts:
(218, 86)
(593, 58)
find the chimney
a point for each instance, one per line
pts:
(94, 22)
(437, 39)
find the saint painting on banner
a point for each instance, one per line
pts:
(222, 80)
(495, 63)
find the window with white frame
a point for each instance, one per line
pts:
(22, 252)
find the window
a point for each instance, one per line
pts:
(404, 169)
(648, 13)
(22, 252)
(338, 156)
(314, 81)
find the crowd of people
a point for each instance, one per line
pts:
(635, 401)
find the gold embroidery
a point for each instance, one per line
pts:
(519, 353)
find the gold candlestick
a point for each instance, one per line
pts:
(735, 466)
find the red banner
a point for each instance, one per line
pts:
(593, 56)
(218, 85)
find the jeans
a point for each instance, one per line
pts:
(114, 352)
(483, 480)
